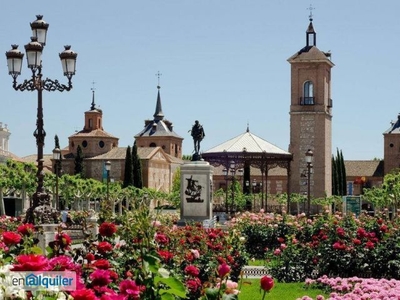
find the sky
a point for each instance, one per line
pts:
(223, 62)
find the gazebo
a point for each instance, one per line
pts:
(248, 150)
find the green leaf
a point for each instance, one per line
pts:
(152, 262)
(167, 297)
(176, 287)
(49, 250)
(212, 293)
(38, 250)
(229, 297)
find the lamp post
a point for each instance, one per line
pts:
(232, 170)
(254, 195)
(108, 169)
(40, 200)
(56, 158)
(309, 157)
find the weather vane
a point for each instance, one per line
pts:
(158, 76)
(311, 8)
(93, 88)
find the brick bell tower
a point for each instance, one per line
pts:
(311, 117)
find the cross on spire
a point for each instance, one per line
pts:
(311, 8)
(158, 76)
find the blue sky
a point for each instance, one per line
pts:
(223, 62)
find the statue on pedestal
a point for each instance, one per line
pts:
(198, 134)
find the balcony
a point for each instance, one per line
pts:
(307, 100)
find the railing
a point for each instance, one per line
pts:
(307, 100)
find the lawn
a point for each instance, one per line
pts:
(281, 291)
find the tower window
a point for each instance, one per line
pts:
(84, 144)
(101, 144)
(153, 145)
(308, 94)
(391, 145)
(90, 123)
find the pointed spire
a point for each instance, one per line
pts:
(310, 33)
(248, 129)
(158, 114)
(93, 106)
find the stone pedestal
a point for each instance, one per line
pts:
(48, 235)
(196, 192)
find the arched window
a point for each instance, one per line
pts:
(308, 94)
(153, 145)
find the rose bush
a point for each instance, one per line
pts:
(296, 247)
(141, 258)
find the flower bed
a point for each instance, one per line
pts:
(356, 288)
(296, 248)
(138, 259)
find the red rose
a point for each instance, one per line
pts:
(90, 257)
(192, 271)
(130, 289)
(161, 238)
(104, 247)
(267, 283)
(369, 245)
(83, 294)
(102, 264)
(356, 242)
(223, 270)
(281, 240)
(339, 245)
(340, 231)
(26, 229)
(361, 233)
(383, 228)
(166, 255)
(64, 239)
(31, 262)
(107, 229)
(193, 284)
(11, 238)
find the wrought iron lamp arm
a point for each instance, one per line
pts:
(36, 83)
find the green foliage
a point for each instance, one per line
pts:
(79, 167)
(174, 198)
(386, 196)
(339, 183)
(128, 174)
(137, 168)
(187, 157)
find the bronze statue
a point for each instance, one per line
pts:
(198, 134)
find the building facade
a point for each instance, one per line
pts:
(311, 116)
(391, 148)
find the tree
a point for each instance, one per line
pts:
(79, 167)
(137, 168)
(128, 174)
(339, 183)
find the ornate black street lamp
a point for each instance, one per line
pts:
(56, 158)
(309, 157)
(40, 208)
(108, 169)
